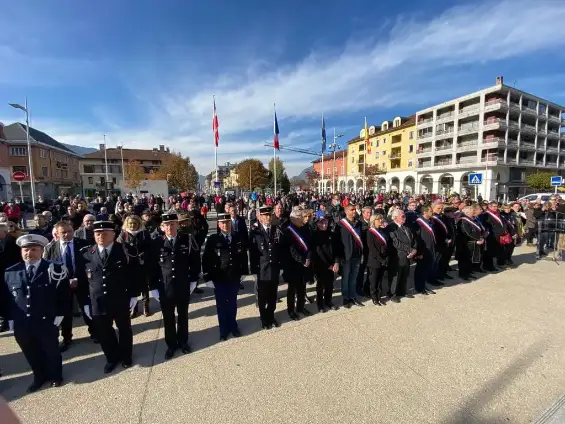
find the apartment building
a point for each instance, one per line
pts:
(5, 186)
(223, 173)
(499, 131)
(96, 181)
(392, 149)
(334, 172)
(55, 167)
(231, 180)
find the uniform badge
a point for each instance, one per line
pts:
(15, 294)
(89, 274)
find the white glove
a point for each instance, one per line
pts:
(11, 325)
(132, 303)
(193, 286)
(87, 311)
(155, 294)
(57, 321)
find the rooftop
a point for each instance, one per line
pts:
(17, 132)
(406, 122)
(129, 154)
(338, 155)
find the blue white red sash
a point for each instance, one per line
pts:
(299, 239)
(496, 218)
(350, 228)
(470, 221)
(427, 227)
(480, 224)
(378, 235)
(439, 221)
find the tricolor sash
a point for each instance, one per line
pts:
(496, 218)
(427, 227)
(299, 239)
(439, 221)
(378, 235)
(470, 221)
(350, 228)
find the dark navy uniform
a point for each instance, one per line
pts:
(425, 266)
(36, 301)
(220, 264)
(176, 263)
(106, 287)
(264, 252)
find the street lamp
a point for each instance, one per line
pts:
(334, 146)
(31, 177)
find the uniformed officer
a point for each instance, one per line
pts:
(108, 294)
(264, 252)
(40, 298)
(177, 266)
(220, 264)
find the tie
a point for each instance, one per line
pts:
(228, 238)
(171, 242)
(104, 255)
(68, 258)
(30, 272)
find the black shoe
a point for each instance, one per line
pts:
(263, 325)
(223, 338)
(424, 292)
(109, 367)
(448, 277)
(395, 299)
(294, 316)
(377, 302)
(347, 304)
(409, 296)
(241, 286)
(169, 353)
(449, 268)
(472, 277)
(35, 386)
(437, 283)
(236, 333)
(332, 306)
(185, 348)
(357, 302)
(64, 345)
(269, 326)
(306, 312)
(127, 363)
(279, 300)
(383, 302)
(276, 323)
(542, 254)
(198, 290)
(56, 383)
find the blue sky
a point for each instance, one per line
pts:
(144, 72)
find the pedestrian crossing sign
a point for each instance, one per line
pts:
(475, 178)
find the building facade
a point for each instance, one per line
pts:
(223, 173)
(55, 167)
(5, 176)
(93, 167)
(231, 180)
(392, 150)
(500, 132)
(334, 172)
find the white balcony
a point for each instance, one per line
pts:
(444, 147)
(467, 146)
(514, 124)
(495, 141)
(496, 104)
(425, 122)
(443, 134)
(553, 134)
(527, 146)
(512, 143)
(529, 111)
(554, 118)
(529, 128)
(552, 149)
(427, 164)
(448, 116)
(514, 105)
(551, 164)
(469, 111)
(542, 131)
(468, 129)
(443, 164)
(425, 136)
(511, 161)
(527, 162)
(494, 124)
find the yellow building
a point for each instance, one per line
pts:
(393, 150)
(231, 180)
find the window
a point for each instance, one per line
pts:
(411, 148)
(65, 174)
(383, 165)
(384, 140)
(342, 171)
(411, 135)
(90, 180)
(42, 153)
(114, 180)
(384, 152)
(352, 159)
(376, 155)
(18, 151)
(377, 143)
(361, 147)
(57, 173)
(75, 174)
(410, 164)
(102, 180)
(44, 171)
(88, 169)
(328, 171)
(19, 169)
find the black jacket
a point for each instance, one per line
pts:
(323, 256)
(52, 252)
(377, 249)
(345, 244)
(402, 243)
(265, 252)
(221, 260)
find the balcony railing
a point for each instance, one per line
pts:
(526, 161)
(467, 145)
(511, 161)
(530, 128)
(395, 156)
(513, 124)
(490, 158)
(529, 110)
(514, 105)
(512, 143)
(424, 135)
(551, 164)
(552, 148)
(553, 134)
(496, 102)
(425, 121)
(443, 162)
(554, 118)
(424, 164)
(493, 140)
(495, 123)
(469, 110)
(527, 145)
(467, 129)
(446, 115)
(444, 147)
(542, 131)
(423, 151)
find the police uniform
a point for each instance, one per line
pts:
(220, 264)
(176, 264)
(108, 292)
(264, 253)
(40, 298)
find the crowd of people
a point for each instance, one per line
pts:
(109, 256)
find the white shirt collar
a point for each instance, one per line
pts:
(266, 227)
(108, 248)
(228, 235)
(35, 264)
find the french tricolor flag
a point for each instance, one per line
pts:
(276, 135)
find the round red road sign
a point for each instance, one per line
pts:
(19, 176)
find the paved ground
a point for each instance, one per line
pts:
(490, 351)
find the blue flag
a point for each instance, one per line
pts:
(323, 134)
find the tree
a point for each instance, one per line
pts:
(280, 168)
(133, 175)
(179, 172)
(371, 171)
(540, 181)
(312, 178)
(251, 173)
(283, 183)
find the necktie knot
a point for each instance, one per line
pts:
(31, 271)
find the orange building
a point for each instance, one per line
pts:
(334, 171)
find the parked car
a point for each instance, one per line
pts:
(544, 197)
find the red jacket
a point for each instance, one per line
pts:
(12, 212)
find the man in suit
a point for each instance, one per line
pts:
(39, 292)
(9, 255)
(220, 264)
(175, 261)
(401, 250)
(66, 250)
(239, 227)
(108, 294)
(264, 252)
(85, 232)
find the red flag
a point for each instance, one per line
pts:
(215, 125)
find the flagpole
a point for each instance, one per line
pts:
(274, 163)
(216, 186)
(333, 167)
(365, 162)
(323, 188)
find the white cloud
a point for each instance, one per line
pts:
(415, 64)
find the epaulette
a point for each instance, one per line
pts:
(14, 266)
(84, 249)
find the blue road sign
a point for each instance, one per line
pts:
(556, 181)
(475, 178)
(217, 184)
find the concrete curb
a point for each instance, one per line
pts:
(555, 414)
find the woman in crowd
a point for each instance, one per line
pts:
(324, 264)
(377, 243)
